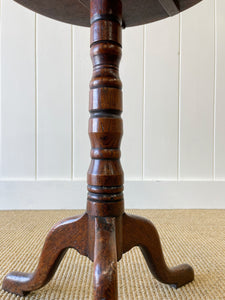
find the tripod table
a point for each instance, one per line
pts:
(105, 231)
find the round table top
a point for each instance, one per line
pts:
(135, 12)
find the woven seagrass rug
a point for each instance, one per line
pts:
(196, 237)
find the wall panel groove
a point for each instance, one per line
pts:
(144, 100)
(36, 99)
(72, 101)
(179, 99)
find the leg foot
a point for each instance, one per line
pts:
(105, 259)
(70, 233)
(140, 232)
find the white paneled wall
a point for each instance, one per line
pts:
(161, 105)
(53, 99)
(17, 92)
(173, 73)
(197, 74)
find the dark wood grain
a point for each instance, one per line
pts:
(135, 12)
(105, 259)
(69, 233)
(105, 174)
(104, 232)
(141, 232)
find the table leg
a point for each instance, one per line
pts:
(105, 259)
(69, 233)
(140, 232)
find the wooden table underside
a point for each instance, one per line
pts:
(135, 12)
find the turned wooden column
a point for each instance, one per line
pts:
(105, 174)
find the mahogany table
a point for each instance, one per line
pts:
(104, 232)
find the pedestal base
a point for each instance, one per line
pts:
(103, 240)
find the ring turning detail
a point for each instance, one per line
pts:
(105, 232)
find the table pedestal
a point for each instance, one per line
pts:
(104, 232)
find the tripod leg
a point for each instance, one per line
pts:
(105, 259)
(69, 233)
(140, 232)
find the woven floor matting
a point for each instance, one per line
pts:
(193, 236)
